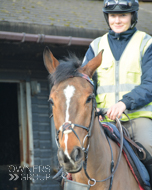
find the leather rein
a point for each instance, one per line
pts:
(68, 127)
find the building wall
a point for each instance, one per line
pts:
(45, 159)
(44, 154)
(24, 62)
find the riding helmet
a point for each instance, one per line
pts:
(121, 6)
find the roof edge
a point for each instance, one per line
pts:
(41, 38)
(50, 30)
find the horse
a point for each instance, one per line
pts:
(79, 135)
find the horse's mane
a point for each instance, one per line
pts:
(69, 67)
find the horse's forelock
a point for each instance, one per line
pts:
(67, 68)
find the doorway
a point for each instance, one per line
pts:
(9, 135)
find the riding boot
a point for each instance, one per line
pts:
(147, 162)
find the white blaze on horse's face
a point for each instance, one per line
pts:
(69, 92)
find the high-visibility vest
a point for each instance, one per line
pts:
(116, 78)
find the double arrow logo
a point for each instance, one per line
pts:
(15, 176)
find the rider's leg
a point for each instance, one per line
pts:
(148, 163)
(142, 133)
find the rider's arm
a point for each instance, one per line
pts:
(142, 94)
(88, 56)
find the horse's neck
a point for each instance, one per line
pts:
(99, 156)
(99, 162)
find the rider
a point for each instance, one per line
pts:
(125, 74)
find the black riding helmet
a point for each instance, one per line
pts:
(121, 6)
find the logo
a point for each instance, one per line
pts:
(35, 173)
(13, 177)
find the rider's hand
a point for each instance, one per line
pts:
(116, 110)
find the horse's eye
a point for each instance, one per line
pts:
(89, 99)
(51, 101)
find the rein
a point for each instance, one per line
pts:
(68, 127)
(113, 170)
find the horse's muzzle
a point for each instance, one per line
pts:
(71, 163)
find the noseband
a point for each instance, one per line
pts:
(68, 127)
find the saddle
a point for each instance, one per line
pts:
(130, 152)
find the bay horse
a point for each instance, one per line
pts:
(72, 100)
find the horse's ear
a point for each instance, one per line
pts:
(93, 64)
(50, 61)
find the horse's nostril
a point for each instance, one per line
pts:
(62, 157)
(76, 154)
(66, 159)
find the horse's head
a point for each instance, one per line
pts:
(72, 103)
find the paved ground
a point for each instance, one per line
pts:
(82, 14)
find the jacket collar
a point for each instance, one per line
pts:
(124, 35)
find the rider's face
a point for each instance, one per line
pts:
(119, 22)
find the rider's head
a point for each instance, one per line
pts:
(119, 7)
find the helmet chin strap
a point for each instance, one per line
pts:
(133, 25)
(134, 19)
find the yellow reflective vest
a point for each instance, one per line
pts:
(116, 78)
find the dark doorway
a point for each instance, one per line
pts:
(9, 135)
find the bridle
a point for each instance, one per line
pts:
(68, 127)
